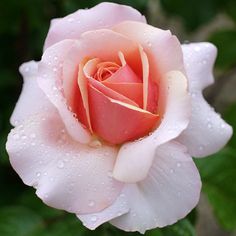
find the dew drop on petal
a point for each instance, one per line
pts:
(94, 219)
(178, 164)
(91, 203)
(60, 164)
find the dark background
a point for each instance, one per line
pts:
(23, 28)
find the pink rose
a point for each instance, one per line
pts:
(108, 120)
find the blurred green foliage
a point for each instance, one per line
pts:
(23, 28)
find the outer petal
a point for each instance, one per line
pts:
(162, 48)
(32, 99)
(118, 208)
(207, 132)
(135, 158)
(66, 174)
(170, 191)
(104, 15)
(50, 81)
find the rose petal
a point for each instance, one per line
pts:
(66, 174)
(89, 69)
(207, 133)
(103, 15)
(32, 99)
(83, 86)
(133, 91)
(163, 49)
(145, 69)
(50, 81)
(124, 75)
(170, 191)
(135, 158)
(118, 208)
(110, 121)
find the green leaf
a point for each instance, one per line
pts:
(218, 177)
(225, 41)
(20, 221)
(66, 225)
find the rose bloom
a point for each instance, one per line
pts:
(108, 121)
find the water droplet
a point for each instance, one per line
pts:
(32, 135)
(193, 94)
(149, 44)
(200, 148)
(222, 126)
(209, 125)
(33, 143)
(91, 203)
(70, 19)
(119, 213)
(38, 174)
(16, 136)
(197, 49)
(178, 164)
(55, 69)
(60, 164)
(94, 219)
(109, 173)
(23, 137)
(171, 171)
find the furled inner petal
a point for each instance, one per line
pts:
(83, 83)
(110, 121)
(133, 91)
(145, 67)
(105, 70)
(89, 69)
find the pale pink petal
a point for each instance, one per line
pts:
(82, 49)
(104, 15)
(145, 69)
(32, 100)
(67, 175)
(83, 86)
(207, 132)
(163, 49)
(170, 191)
(135, 158)
(110, 121)
(118, 208)
(50, 80)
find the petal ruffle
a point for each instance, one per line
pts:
(66, 174)
(207, 132)
(118, 208)
(32, 99)
(170, 191)
(162, 48)
(102, 16)
(50, 80)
